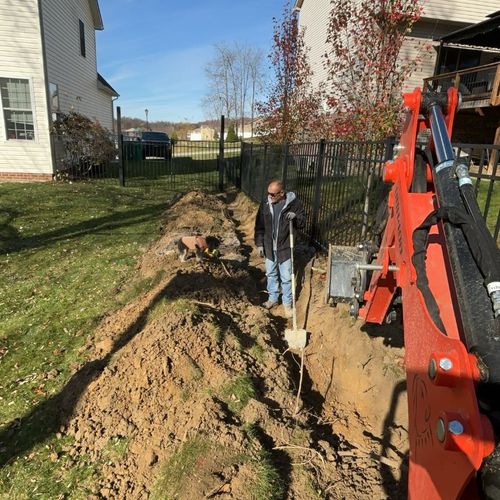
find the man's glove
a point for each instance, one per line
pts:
(260, 251)
(290, 215)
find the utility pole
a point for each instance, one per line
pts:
(147, 123)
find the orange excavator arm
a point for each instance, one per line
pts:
(437, 258)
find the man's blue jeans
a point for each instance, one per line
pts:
(275, 273)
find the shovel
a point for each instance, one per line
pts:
(295, 338)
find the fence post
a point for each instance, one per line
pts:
(368, 192)
(284, 167)
(264, 174)
(221, 154)
(317, 192)
(239, 174)
(121, 170)
(389, 148)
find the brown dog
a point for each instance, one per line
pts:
(198, 245)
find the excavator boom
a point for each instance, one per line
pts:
(437, 258)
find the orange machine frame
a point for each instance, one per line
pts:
(443, 461)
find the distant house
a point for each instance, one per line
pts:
(439, 18)
(133, 132)
(248, 131)
(47, 66)
(202, 133)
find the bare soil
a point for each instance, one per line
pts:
(196, 358)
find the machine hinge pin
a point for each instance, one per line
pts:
(440, 429)
(432, 368)
(375, 267)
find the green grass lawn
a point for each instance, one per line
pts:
(494, 203)
(65, 252)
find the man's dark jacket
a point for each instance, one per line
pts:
(264, 226)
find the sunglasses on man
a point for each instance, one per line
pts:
(274, 195)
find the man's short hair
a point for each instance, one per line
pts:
(277, 182)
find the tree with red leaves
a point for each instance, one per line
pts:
(292, 109)
(365, 70)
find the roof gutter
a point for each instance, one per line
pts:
(96, 14)
(464, 46)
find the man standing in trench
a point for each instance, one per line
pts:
(272, 239)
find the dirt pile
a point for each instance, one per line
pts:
(192, 357)
(194, 394)
(196, 212)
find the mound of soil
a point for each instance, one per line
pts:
(193, 393)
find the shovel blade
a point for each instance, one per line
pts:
(296, 339)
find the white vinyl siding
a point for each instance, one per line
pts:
(75, 76)
(461, 11)
(420, 45)
(314, 20)
(21, 58)
(439, 17)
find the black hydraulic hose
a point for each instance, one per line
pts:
(488, 255)
(442, 143)
(469, 263)
(420, 237)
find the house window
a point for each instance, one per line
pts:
(54, 97)
(17, 109)
(82, 37)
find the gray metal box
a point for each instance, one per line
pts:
(344, 279)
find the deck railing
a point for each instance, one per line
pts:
(479, 86)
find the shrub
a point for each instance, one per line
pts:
(86, 145)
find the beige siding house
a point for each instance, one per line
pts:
(439, 17)
(202, 133)
(47, 66)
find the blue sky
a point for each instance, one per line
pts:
(153, 52)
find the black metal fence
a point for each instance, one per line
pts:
(341, 186)
(185, 164)
(152, 164)
(339, 183)
(164, 163)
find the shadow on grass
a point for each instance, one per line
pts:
(14, 243)
(7, 231)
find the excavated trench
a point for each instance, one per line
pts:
(194, 393)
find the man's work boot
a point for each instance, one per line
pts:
(269, 304)
(288, 310)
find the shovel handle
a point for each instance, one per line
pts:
(294, 309)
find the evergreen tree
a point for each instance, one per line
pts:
(231, 134)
